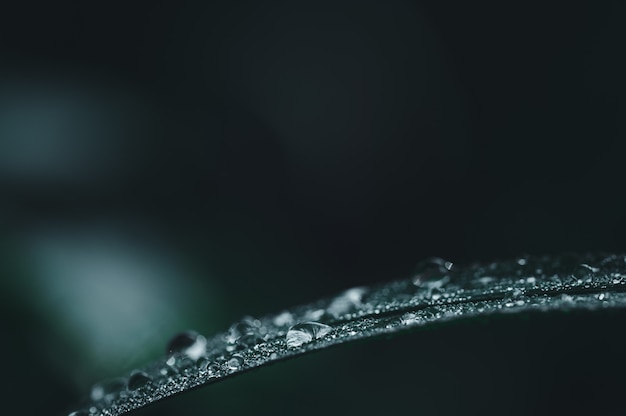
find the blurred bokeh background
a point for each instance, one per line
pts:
(174, 165)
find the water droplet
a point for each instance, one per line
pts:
(203, 363)
(603, 296)
(346, 302)
(138, 379)
(235, 362)
(213, 369)
(305, 332)
(583, 272)
(409, 318)
(516, 293)
(433, 265)
(245, 333)
(189, 343)
(184, 364)
(522, 261)
(168, 369)
(432, 274)
(107, 390)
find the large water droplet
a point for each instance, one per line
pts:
(245, 333)
(433, 265)
(107, 390)
(189, 343)
(347, 302)
(138, 379)
(305, 332)
(432, 274)
(583, 272)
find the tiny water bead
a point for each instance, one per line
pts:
(306, 332)
(167, 372)
(138, 379)
(189, 343)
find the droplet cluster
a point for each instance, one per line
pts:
(437, 292)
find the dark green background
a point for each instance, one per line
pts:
(246, 157)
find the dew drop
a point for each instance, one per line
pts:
(213, 369)
(306, 332)
(433, 265)
(249, 340)
(189, 343)
(138, 379)
(185, 364)
(202, 364)
(583, 271)
(409, 318)
(615, 275)
(168, 370)
(244, 333)
(235, 362)
(107, 390)
(432, 274)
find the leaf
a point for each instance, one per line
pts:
(437, 293)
